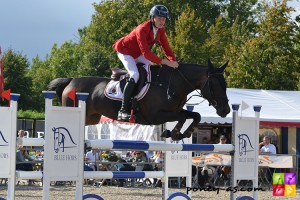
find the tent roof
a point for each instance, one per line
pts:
(279, 108)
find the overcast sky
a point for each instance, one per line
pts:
(33, 26)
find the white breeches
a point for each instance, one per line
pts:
(130, 64)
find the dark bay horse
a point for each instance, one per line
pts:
(164, 100)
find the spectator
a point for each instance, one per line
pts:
(223, 139)
(138, 158)
(266, 147)
(222, 171)
(22, 158)
(91, 156)
(158, 158)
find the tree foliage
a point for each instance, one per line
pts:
(189, 36)
(260, 40)
(16, 67)
(269, 60)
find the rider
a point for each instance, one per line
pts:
(136, 47)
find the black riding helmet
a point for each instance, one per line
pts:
(159, 10)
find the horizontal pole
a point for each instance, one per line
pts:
(98, 174)
(156, 146)
(29, 174)
(31, 142)
(122, 174)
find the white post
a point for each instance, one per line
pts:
(245, 138)
(46, 182)
(64, 144)
(255, 181)
(8, 134)
(79, 183)
(233, 183)
(178, 163)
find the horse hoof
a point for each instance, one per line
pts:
(187, 135)
(166, 134)
(177, 137)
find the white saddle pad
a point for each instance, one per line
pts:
(114, 92)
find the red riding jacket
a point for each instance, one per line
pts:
(141, 39)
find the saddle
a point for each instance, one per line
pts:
(123, 76)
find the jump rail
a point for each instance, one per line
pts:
(156, 146)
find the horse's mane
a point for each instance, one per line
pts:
(184, 65)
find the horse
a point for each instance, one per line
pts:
(164, 100)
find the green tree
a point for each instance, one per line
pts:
(114, 19)
(16, 67)
(218, 40)
(189, 36)
(246, 10)
(65, 61)
(41, 76)
(62, 62)
(269, 60)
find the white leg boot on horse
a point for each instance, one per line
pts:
(124, 113)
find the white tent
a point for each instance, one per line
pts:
(282, 108)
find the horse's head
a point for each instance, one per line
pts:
(214, 89)
(59, 139)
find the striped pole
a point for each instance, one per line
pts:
(156, 146)
(122, 174)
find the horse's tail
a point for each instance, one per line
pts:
(59, 85)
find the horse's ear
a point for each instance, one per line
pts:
(210, 66)
(222, 68)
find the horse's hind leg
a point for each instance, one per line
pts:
(92, 119)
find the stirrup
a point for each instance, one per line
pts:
(123, 116)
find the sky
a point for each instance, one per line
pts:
(31, 27)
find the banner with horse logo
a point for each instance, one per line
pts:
(215, 159)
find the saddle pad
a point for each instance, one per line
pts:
(114, 92)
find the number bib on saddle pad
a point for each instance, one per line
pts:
(114, 89)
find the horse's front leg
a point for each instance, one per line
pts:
(163, 117)
(175, 133)
(196, 119)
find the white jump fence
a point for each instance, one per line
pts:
(64, 150)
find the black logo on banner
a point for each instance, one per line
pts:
(62, 139)
(244, 144)
(2, 139)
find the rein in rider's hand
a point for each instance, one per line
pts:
(173, 64)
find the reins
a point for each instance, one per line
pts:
(212, 101)
(188, 82)
(200, 94)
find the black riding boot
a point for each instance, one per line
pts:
(124, 114)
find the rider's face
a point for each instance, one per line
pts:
(159, 21)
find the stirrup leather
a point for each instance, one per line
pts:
(123, 116)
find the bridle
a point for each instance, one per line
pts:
(211, 97)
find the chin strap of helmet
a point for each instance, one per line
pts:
(152, 20)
